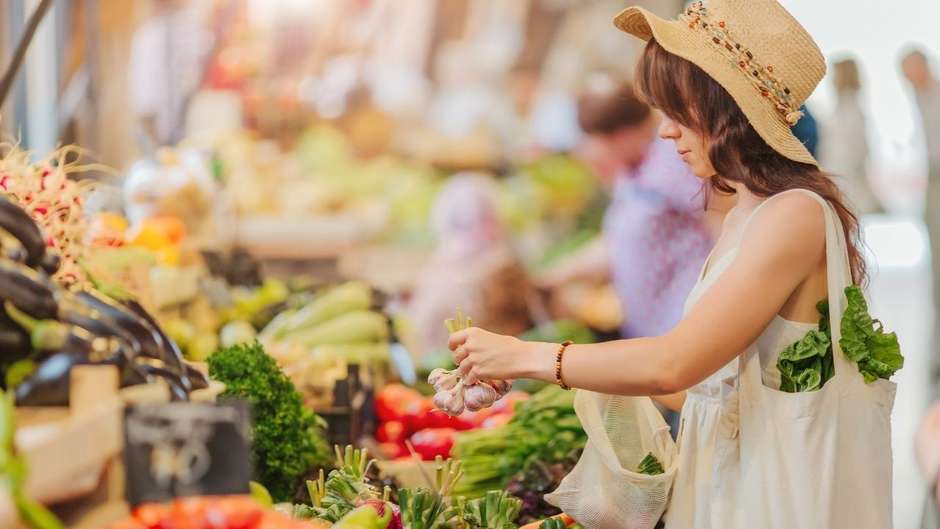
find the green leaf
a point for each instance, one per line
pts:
(650, 466)
(864, 341)
(857, 325)
(805, 365)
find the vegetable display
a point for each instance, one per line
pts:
(46, 328)
(287, 436)
(453, 395)
(315, 343)
(217, 512)
(13, 474)
(344, 490)
(539, 479)
(807, 364)
(544, 428)
(406, 415)
(495, 510)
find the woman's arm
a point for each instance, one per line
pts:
(780, 249)
(674, 402)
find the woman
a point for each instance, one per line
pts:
(845, 144)
(730, 78)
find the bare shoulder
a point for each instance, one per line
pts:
(791, 226)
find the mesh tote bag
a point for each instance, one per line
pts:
(604, 491)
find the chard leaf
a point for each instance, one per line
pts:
(802, 364)
(864, 340)
(857, 326)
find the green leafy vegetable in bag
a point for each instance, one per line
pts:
(865, 342)
(650, 466)
(806, 365)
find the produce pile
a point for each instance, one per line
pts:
(527, 456)
(13, 474)
(322, 176)
(287, 437)
(408, 416)
(346, 498)
(232, 512)
(314, 343)
(47, 328)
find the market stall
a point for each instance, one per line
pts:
(213, 324)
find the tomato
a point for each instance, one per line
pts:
(433, 442)
(508, 403)
(497, 420)
(233, 512)
(394, 450)
(391, 432)
(416, 414)
(391, 401)
(151, 514)
(129, 523)
(439, 419)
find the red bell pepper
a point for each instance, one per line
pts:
(391, 432)
(439, 419)
(433, 442)
(393, 400)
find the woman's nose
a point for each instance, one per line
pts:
(668, 129)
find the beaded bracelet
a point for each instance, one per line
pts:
(558, 357)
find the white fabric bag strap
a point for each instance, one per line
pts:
(838, 277)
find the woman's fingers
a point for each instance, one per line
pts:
(459, 355)
(469, 375)
(457, 339)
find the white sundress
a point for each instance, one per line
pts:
(707, 438)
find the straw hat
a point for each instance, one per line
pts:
(755, 49)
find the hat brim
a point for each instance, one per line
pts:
(676, 38)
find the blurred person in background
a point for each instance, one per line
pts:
(168, 55)
(656, 232)
(927, 450)
(916, 69)
(845, 144)
(473, 268)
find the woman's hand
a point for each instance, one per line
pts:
(485, 355)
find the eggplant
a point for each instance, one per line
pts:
(31, 291)
(178, 393)
(49, 384)
(97, 324)
(197, 379)
(50, 263)
(151, 344)
(174, 354)
(14, 343)
(20, 225)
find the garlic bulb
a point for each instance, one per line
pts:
(479, 396)
(450, 401)
(443, 380)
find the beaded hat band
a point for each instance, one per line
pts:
(762, 77)
(754, 49)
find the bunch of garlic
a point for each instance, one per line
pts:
(454, 395)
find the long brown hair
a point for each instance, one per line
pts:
(688, 95)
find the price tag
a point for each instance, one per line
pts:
(186, 449)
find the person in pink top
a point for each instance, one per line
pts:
(656, 231)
